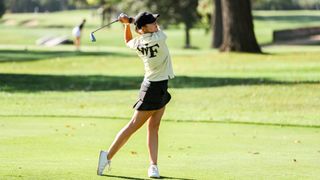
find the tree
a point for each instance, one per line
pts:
(49, 5)
(238, 32)
(211, 18)
(205, 11)
(2, 8)
(106, 8)
(18, 6)
(188, 17)
(175, 12)
(217, 25)
(21, 6)
(132, 7)
(77, 4)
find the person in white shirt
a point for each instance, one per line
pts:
(151, 47)
(76, 32)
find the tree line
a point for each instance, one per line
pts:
(230, 20)
(58, 5)
(21, 6)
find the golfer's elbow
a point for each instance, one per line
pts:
(126, 40)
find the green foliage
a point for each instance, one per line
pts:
(21, 6)
(205, 7)
(77, 4)
(205, 10)
(43, 5)
(2, 8)
(133, 7)
(174, 12)
(103, 2)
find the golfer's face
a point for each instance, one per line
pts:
(153, 27)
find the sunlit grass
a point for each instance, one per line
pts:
(232, 87)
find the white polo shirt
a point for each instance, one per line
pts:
(153, 51)
(76, 32)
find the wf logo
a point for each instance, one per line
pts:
(151, 51)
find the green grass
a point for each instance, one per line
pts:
(232, 116)
(107, 37)
(274, 88)
(67, 148)
(56, 19)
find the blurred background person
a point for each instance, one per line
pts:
(76, 32)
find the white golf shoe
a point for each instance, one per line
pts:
(103, 162)
(153, 172)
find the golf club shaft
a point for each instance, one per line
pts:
(105, 25)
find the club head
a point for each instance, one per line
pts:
(93, 39)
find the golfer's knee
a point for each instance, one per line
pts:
(131, 127)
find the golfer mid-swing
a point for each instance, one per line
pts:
(153, 96)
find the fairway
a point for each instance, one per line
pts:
(232, 115)
(258, 115)
(67, 148)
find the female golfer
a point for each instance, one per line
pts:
(76, 32)
(151, 47)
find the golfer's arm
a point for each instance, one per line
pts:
(127, 33)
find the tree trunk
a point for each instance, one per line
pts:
(217, 25)
(238, 32)
(187, 31)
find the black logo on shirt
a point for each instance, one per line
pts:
(151, 51)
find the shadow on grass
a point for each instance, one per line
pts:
(34, 55)
(226, 121)
(35, 83)
(126, 177)
(122, 177)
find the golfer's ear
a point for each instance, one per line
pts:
(139, 31)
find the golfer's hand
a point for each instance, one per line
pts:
(124, 19)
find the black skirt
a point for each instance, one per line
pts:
(153, 95)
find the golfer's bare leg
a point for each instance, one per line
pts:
(152, 138)
(77, 43)
(138, 119)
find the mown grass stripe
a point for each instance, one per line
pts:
(167, 120)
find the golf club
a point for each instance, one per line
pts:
(93, 39)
